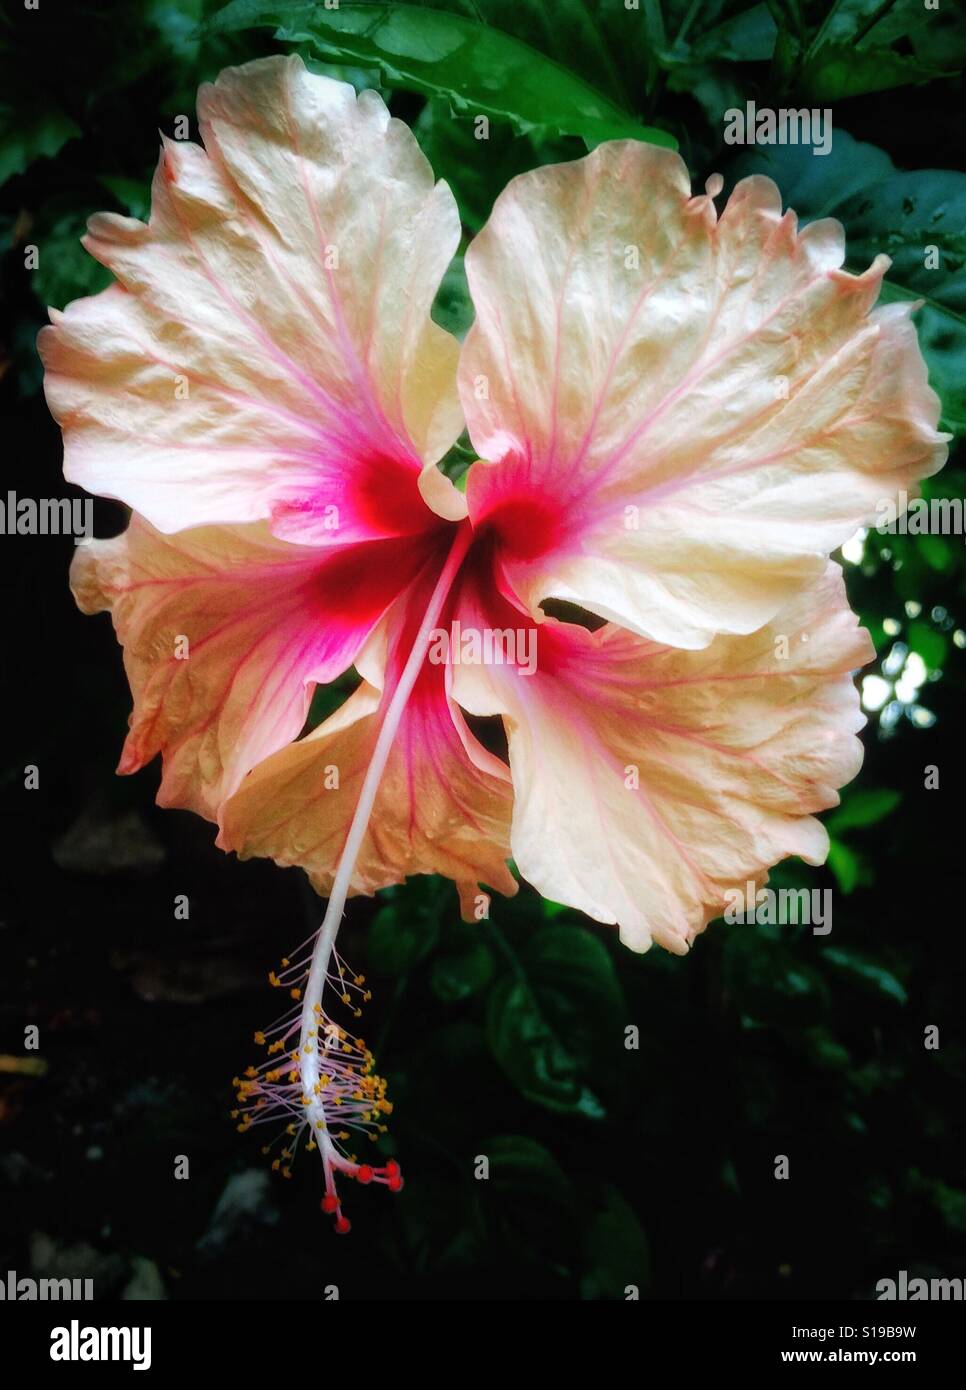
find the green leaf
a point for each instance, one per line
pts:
(785, 61)
(866, 971)
(820, 1048)
(65, 271)
(38, 129)
(462, 973)
(928, 643)
(479, 170)
(134, 195)
(862, 808)
(398, 940)
(551, 910)
(713, 88)
(602, 41)
(949, 1202)
(748, 37)
(836, 71)
(176, 22)
(855, 50)
(521, 1165)
(934, 36)
(478, 69)
(539, 1062)
(772, 984)
(453, 308)
(902, 214)
(554, 1017)
(846, 865)
(616, 1251)
(574, 962)
(529, 1199)
(938, 553)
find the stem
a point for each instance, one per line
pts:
(324, 942)
(686, 24)
(872, 21)
(820, 31)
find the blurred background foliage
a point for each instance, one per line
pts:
(610, 1165)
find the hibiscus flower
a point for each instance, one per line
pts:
(678, 417)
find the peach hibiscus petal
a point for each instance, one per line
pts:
(681, 415)
(648, 781)
(225, 632)
(267, 351)
(443, 804)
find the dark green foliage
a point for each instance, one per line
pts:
(610, 1164)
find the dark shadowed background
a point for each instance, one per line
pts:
(609, 1166)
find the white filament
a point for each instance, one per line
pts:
(322, 952)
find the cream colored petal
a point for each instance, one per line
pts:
(441, 806)
(648, 781)
(267, 351)
(225, 631)
(682, 417)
